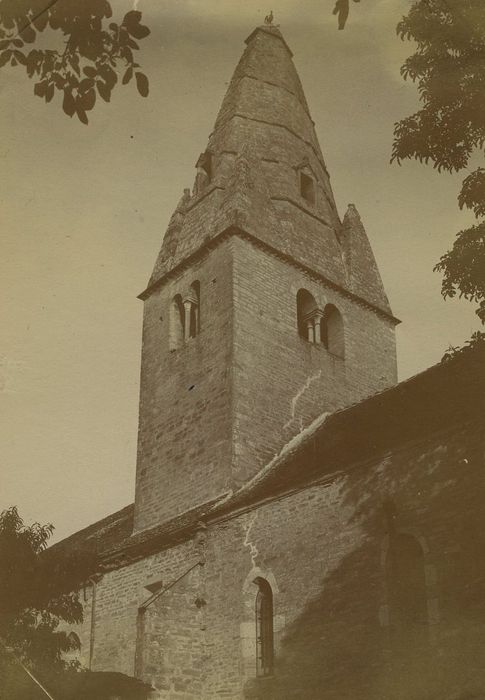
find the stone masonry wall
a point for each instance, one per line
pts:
(282, 382)
(183, 460)
(323, 550)
(214, 410)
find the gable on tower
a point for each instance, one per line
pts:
(263, 173)
(279, 278)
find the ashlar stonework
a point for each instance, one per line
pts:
(303, 526)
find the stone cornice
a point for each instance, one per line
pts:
(203, 250)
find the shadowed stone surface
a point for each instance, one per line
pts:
(262, 454)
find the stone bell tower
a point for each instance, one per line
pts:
(264, 309)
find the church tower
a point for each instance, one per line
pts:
(264, 309)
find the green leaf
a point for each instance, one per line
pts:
(86, 84)
(108, 74)
(139, 31)
(5, 57)
(131, 18)
(49, 93)
(40, 22)
(104, 90)
(28, 34)
(20, 57)
(82, 116)
(127, 76)
(142, 84)
(40, 88)
(88, 100)
(68, 104)
(74, 60)
(59, 81)
(90, 71)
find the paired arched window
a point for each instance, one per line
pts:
(316, 326)
(264, 628)
(406, 583)
(185, 316)
(177, 323)
(332, 329)
(306, 309)
(194, 314)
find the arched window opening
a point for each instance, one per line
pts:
(264, 629)
(406, 583)
(194, 321)
(177, 326)
(332, 331)
(307, 188)
(308, 316)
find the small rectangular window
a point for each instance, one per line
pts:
(307, 188)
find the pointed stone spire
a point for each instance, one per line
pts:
(263, 172)
(364, 277)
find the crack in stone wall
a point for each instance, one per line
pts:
(294, 401)
(247, 524)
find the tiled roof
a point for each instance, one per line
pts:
(451, 392)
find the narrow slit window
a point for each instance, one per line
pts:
(264, 629)
(307, 188)
(140, 642)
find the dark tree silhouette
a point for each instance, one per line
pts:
(36, 595)
(449, 69)
(92, 52)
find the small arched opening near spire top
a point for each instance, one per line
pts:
(307, 188)
(332, 331)
(177, 326)
(306, 311)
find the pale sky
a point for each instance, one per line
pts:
(83, 211)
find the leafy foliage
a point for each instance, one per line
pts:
(463, 268)
(36, 593)
(449, 69)
(472, 193)
(92, 54)
(477, 340)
